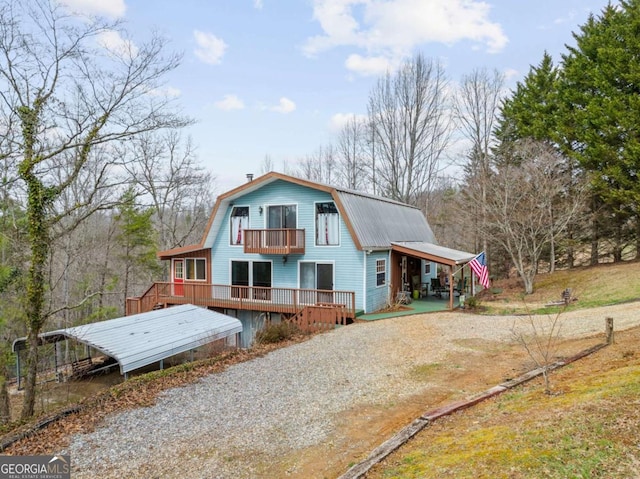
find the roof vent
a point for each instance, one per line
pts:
(249, 177)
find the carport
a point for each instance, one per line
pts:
(142, 339)
(432, 253)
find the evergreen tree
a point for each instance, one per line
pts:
(600, 116)
(137, 238)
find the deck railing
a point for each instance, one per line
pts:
(274, 241)
(255, 298)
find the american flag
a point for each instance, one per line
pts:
(479, 266)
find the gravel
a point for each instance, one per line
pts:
(232, 424)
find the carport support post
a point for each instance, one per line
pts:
(18, 378)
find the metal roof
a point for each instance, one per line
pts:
(377, 222)
(141, 339)
(436, 252)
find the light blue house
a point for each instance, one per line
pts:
(279, 244)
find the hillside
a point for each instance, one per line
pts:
(444, 357)
(591, 286)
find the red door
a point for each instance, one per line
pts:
(178, 277)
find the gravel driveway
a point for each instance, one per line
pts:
(261, 418)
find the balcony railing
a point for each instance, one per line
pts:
(254, 298)
(274, 241)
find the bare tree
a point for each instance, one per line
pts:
(175, 184)
(351, 153)
(540, 337)
(267, 165)
(319, 166)
(411, 124)
(66, 91)
(476, 107)
(520, 196)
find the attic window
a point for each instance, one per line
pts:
(327, 224)
(239, 222)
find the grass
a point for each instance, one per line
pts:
(589, 432)
(589, 427)
(593, 286)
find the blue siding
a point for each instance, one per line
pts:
(377, 296)
(347, 260)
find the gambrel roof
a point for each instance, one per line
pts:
(373, 222)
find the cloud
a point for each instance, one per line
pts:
(284, 106)
(111, 8)
(210, 48)
(229, 103)
(113, 41)
(391, 29)
(511, 73)
(368, 65)
(257, 4)
(339, 120)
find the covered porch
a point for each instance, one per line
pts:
(406, 261)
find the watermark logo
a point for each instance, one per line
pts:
(35, 467)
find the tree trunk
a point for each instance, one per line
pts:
(35, 288)
(5, 406)
(594, 236)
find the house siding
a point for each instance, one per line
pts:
(347, 260)
(376, 295)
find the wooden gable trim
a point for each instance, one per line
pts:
(426, 256)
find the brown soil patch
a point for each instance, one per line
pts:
(622, 354)
(460, 376)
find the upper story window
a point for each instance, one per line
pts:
(196, 269)
(282, 217)
(327, 224)
(239, 222)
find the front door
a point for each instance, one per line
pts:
(325, 282)
(178, 277)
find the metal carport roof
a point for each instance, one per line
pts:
(141, 339)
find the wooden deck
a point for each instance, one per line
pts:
(274, 241)
(275, 300)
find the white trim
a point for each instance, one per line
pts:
(173, 269)
(196, 258)
(266, 207)
(386, 273)
(364, 281)
(315, 223)
(250, 261)
(333, 271)
(231, 207)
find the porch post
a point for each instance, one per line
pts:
(451, 287)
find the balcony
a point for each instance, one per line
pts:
(253, 298)
(274, 241)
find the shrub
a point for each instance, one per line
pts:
(472, 302)
(276, 332)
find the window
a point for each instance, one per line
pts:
(196, 269)
(327, 224)
(381, 272)
(282, 217)
(239, 222)
(254, 276)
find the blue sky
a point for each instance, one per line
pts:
(267, 77)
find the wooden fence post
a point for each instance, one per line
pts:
(609, 330)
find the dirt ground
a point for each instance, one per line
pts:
(478, 365)
(621, 355)
(460, 376)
